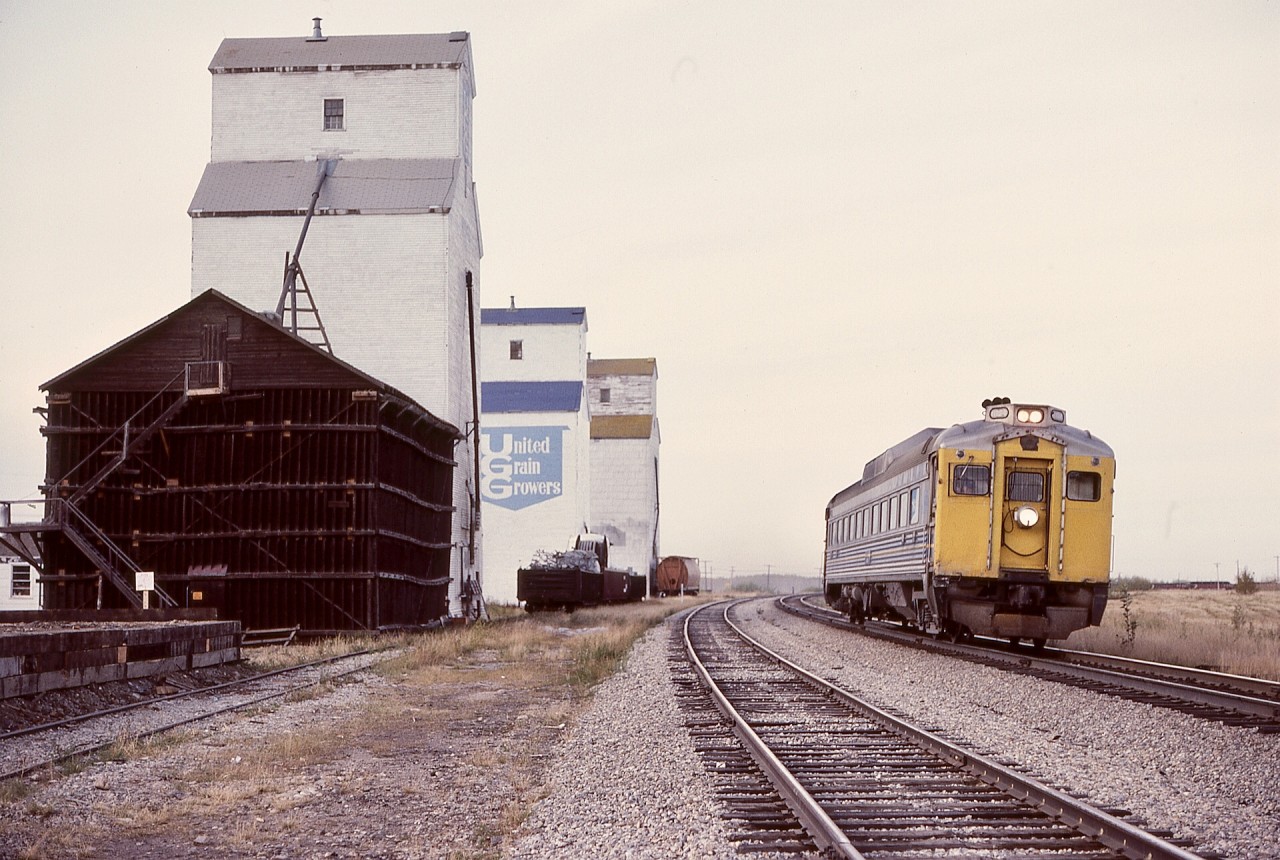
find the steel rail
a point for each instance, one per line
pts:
(1144, 676)
(80, 718)
(91, 749)
(1112, 832)
(825, 832)
(1261, 687)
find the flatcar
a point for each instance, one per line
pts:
(677, 574)
(577, 577)
(997, 527)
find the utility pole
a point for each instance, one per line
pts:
(1217, 575)
(768, 578)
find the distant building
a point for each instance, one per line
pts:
(19, 584)
(381, 128)
(624, 458)
(535, 437)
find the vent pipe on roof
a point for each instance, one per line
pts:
(513, 303)
(316, 35)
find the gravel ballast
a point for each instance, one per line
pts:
(627, 781)
(1213, 784)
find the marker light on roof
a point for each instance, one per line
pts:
(1030, 416)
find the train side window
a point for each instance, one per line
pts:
(1025, 487)
(970, 480)
(884, 516)
(858, 520)
(1084, 486)
(893, 513)
(903, 502)
(915, 505)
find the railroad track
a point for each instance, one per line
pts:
(48, 745)
(824, 769)
(1229, 699)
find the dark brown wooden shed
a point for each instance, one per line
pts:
(250, 471)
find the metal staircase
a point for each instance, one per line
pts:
(128, 445)
(64, 515)
(108, 558)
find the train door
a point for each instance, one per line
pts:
(1024, 542)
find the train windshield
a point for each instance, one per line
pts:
(1025, 487)
(970, 480)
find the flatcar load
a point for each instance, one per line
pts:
(579, 576)
(998, 527)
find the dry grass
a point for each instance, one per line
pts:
(590, 644)
(13, 790)
(126, 747)
(1222, 630)
(279, 656)
(58, 842)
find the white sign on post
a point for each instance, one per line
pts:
(145, 581)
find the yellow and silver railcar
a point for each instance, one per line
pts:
(999, 527)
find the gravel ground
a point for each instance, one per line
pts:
(1213, 784)
(438, 768)
(374, 768)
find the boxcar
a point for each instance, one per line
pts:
(677, 574)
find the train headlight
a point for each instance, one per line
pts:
(1026, 517)
(1030, 416)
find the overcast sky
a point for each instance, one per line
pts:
(832, 223)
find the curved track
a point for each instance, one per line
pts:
(864, 783)
(25, 751)
(1231, 699)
